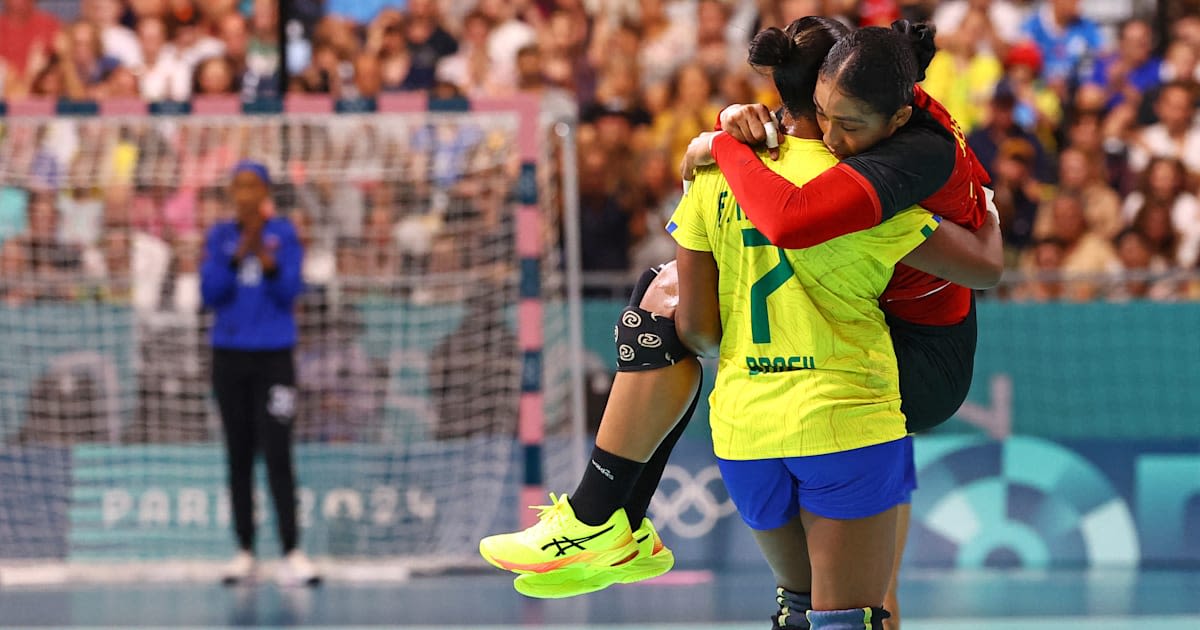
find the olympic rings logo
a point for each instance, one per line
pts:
(691, 506)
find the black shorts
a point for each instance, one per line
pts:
(936, 365)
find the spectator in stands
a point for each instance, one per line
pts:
(14, 203)
(653, 198)
(1164, 184)
(1002, 126)
(428, 42)
(1085, 253)
(47, 251)
(1175, 135)
(603, 218)
(1082, 173)
(563, 43)
(1038, 109)
(508, 35)
(1153, 221)
(118, 41)
(192, 43)
(25, 32)
(17, 284)
(76, 69)
(215, 76)
(1133, 69)
(1065, 38)
(556, 103)
(320, 262)
(181, 286)
(338, 384)
(1018, 193)
(1042, 272)
(469, 381)
(251, 278)
(138, 10)
(80, 204)
(163, 75)
(963, 74)
(380, 254)
(690, 112)
(1139, 272)
(263, 56)
(1001, 21)
(110, 268)
(469, 68)
(713, 51)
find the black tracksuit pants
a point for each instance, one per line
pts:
(256, 393)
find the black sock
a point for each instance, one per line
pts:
(793, 610)
(647, 483)
(605, 486)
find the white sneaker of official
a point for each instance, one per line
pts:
(240, 569)
(297, 570)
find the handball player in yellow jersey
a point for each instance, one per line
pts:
(643, 408)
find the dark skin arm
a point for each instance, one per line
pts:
(698, 318)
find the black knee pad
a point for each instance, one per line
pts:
(646, 341)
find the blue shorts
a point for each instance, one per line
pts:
(848, 485)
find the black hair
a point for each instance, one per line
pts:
(881, 65)
(793, 56)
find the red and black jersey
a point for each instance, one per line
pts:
(926, 163)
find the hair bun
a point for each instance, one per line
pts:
(771, 48)
(921, 37)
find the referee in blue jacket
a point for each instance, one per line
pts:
(250, 278)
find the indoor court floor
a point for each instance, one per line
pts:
(932, 600)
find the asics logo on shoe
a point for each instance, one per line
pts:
(562, 545)
(603, 471)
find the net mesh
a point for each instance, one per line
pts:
(408, 366)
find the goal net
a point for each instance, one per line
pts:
(413, 357)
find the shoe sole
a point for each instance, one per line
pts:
(574, 581)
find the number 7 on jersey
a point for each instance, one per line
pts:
(760, 321)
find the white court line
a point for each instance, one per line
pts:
(1006, 623)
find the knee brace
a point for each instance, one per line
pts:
(645, 340)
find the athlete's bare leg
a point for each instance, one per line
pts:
(892, 603)
(851, 560)
(643, 407)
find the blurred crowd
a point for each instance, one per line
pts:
(1083, 111)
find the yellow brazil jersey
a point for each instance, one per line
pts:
(807, 365)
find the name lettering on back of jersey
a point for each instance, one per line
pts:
(774, 365)
(735, 214)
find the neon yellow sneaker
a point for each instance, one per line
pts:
(560, 540)
(653, 559)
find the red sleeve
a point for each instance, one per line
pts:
(838, 202)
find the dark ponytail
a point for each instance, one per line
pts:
(793, 58)
(880, 65)
(921, 38)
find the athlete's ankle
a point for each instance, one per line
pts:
(605, 487)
